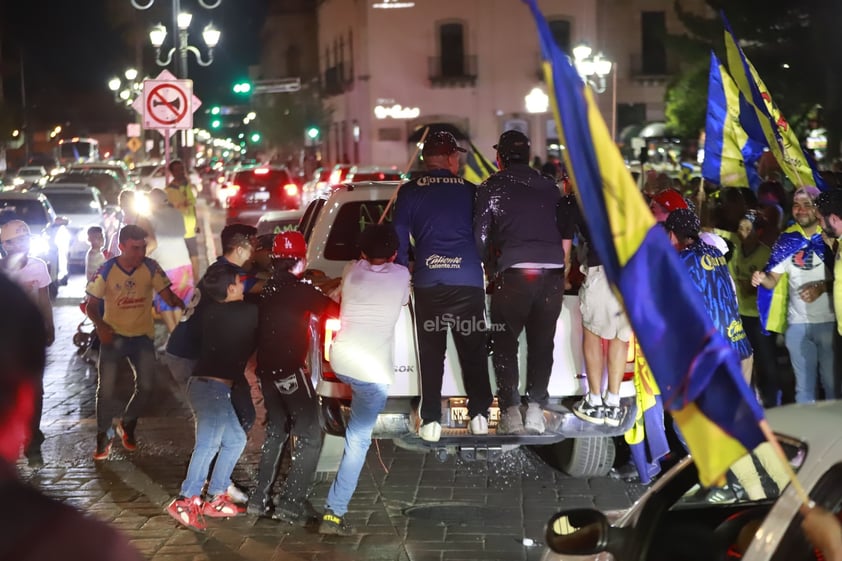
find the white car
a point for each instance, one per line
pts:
(82, 207)
(154, 176)
(583, 449)
(677, 519)
(29, 176)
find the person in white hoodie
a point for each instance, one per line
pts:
(373, 290)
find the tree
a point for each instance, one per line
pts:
(790, 44)
(686, 102)
(285, 117)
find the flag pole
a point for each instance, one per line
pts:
(418, 146)
(796, 484)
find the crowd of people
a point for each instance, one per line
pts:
(763, 263)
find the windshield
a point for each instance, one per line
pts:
(30, 211)
(73, 203)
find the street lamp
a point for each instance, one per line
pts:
(158, 34)
(593, 69)
(126, 92)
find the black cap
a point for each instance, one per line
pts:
(513, 146)
(684, 222)
(441, 143)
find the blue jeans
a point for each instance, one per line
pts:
(140, 353)
(367, 401)
(218, 430)
(810, 347)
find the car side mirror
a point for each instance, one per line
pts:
(578, 532)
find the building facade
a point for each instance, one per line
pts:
(387, 73)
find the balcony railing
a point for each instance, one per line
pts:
(652, 68)
(453, 71)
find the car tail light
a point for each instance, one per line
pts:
(291, 189)
(332, 326)
(235, 198)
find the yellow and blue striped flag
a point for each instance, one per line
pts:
(781, 139)
(731, 153)
(695, 368)
(477, 167)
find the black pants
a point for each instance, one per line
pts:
(768, 380)
(530, 299)
(291, 410)
(461, 310)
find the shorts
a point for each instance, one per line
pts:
(182, 285)
(192, 246)
(602, 313)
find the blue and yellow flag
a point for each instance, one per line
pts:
(477, 167)
(697, 371)
(780, 137)
(731, 153)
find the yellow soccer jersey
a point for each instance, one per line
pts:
(128, 295)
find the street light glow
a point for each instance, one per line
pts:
(157, 35)
(537, 101)
(211, 35)
(114, 84)
(183, 20)
(130, 74)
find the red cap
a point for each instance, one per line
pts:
(289, 244)
(670, 199)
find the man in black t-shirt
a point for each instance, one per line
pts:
(229, 327)
(286, 305)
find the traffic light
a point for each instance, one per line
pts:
(216, 123)
(313, 133)
(255, 137)
(242, 88)
(216, 110)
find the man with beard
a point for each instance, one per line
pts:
(792, 298)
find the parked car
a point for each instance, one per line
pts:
(332, 226)
(82, 206)
(258, 190)
(50, 238)
(677, 519)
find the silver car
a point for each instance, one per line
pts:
(755, 516)
(82, 207)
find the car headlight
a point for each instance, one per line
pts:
(39, 246)
(141, 203)
(82, 235)
(18, 181)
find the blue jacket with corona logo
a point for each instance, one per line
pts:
(709, 271)
(435, 213)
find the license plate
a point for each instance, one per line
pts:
(261, 196)
(459, 415)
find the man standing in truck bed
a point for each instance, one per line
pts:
(436, 210)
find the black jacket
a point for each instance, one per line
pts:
(515, 219)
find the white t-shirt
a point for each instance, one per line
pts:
(93, 261)
(372, 296)
(33, 276)
(168, 225)
(805, 267)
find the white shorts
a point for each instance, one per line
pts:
(602, 313)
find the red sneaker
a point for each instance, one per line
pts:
(222, 507)
(187, 511)
(125, 430)
(103, 446)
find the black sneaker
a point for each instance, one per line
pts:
(590, 413)
(333, 525)
(125, 430)
(612, 416)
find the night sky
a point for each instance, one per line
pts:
(70, 48)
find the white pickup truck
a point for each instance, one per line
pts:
(331, 227)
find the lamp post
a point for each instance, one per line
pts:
(593, 68)
(125, 93)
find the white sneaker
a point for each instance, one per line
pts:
(430, 431)
(478, 425)
(534, 419)
(236, 494)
